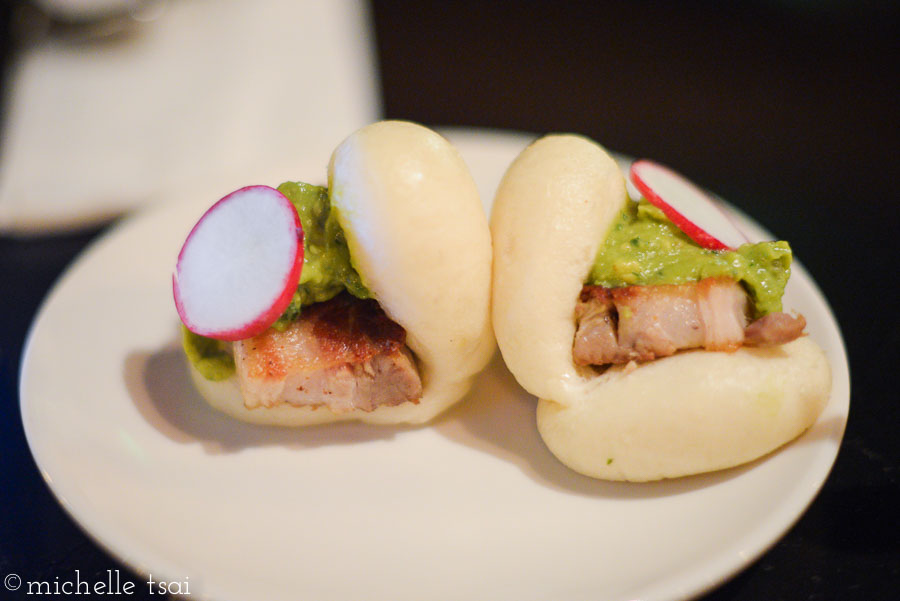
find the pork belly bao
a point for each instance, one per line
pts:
(652, 332)
(367, 299)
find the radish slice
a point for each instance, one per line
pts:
(687, 206)
(240, 265)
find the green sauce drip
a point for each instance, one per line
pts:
(210, 357)
(645, 248)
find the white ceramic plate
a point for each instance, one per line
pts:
(472, 507)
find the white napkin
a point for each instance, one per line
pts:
(206, 92)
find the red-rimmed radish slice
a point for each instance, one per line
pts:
(240, 265)
(687, 206)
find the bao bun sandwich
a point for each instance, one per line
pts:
(389, 318)
(652, 356)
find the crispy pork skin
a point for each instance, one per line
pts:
(641, 323)
(343, 354)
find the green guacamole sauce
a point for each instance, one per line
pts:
(645, 248)
(210, 357)
(327, 271)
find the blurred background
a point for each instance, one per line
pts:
(786, 108)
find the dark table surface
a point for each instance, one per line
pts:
(787, 109)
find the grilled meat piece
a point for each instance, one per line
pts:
(618, 325)
(774, 329)
(596, 342)
(344, 353)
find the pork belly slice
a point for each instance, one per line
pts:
(343, 354)
(641, 323)
(656, 321)
(596, 342)
(774, 329)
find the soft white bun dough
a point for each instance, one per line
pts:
(553, 207)
(691, 413)
(419, 238)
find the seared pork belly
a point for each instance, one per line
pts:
(640, 323)
(774, 329)
(344, 354)
(596, 342)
